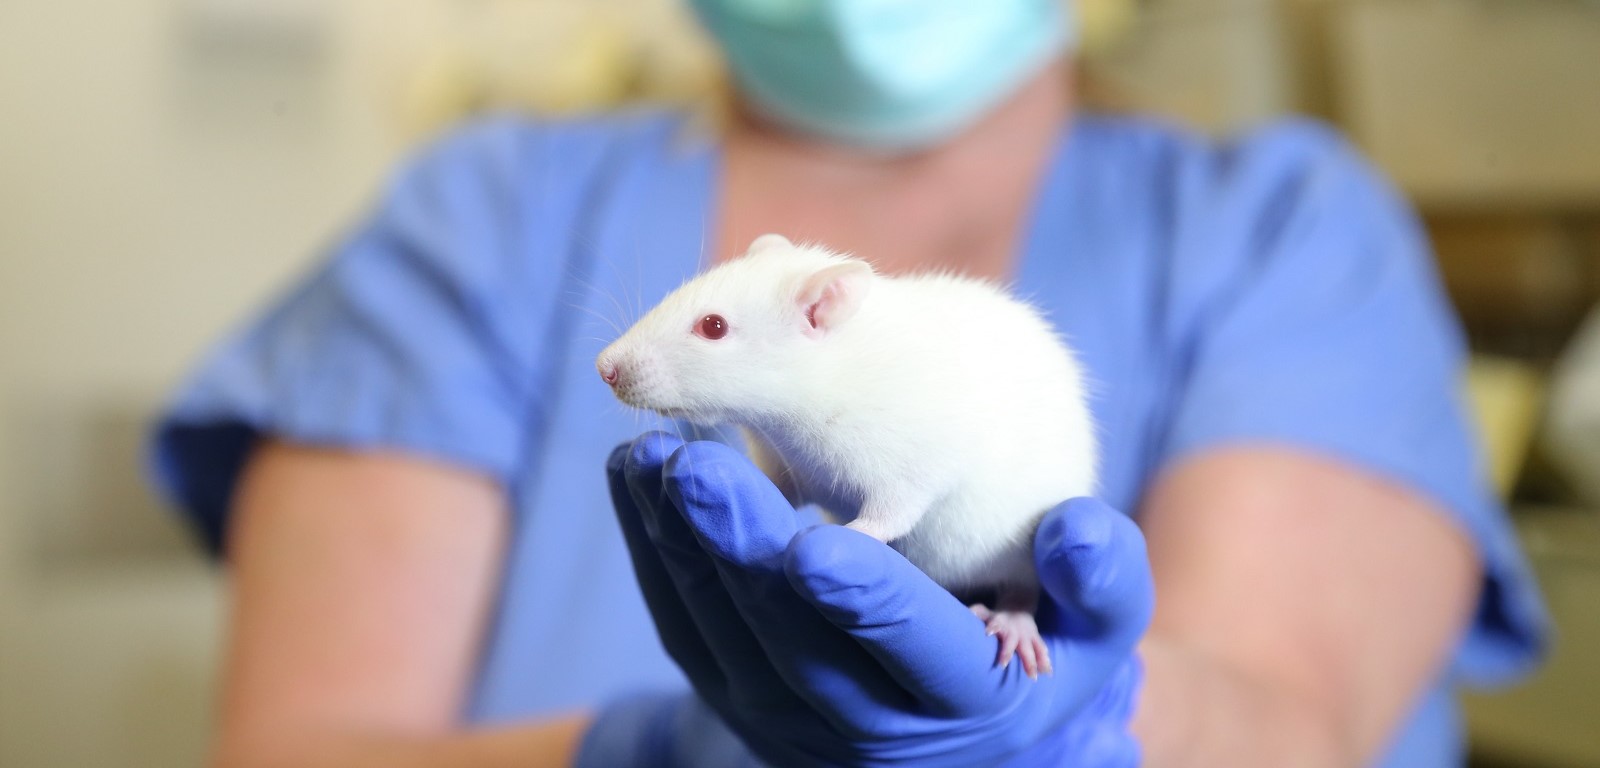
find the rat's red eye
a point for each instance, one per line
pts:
(712, 327)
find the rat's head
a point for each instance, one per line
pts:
(736, 343)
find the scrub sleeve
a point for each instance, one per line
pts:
(459, 322)
(1319, 323)
(419, 334)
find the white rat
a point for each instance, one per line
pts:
(935, 412)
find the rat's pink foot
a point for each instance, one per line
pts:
(1019, 636)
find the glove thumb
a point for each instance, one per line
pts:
(1092, 562)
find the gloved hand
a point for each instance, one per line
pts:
(824, 647)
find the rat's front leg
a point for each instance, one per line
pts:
(1012, 622)
(773, 465)
(887, 517)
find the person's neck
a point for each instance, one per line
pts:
(960, 205)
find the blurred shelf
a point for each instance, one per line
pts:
(1473, 104)
(1551, 720)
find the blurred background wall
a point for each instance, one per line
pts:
(166, 165)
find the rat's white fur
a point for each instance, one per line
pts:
(940, 413)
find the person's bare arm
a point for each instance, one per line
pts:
(1301, 608)
(361, 587)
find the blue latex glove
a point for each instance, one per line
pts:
(824, 647)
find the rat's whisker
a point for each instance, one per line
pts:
(583, 296)
(677, 426)
(626, 304)
(594, 289)
(638, 277)
(596, 315)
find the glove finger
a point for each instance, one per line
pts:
(745, 524)
(922, 635)
(676, 628)
(752, 684)
(1091, 560)
(1084, 744)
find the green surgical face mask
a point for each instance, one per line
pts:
(894, 75)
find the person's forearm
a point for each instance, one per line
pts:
(545, 744)
(1197, 710)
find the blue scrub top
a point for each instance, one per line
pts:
(1268, 289)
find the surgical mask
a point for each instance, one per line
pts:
(894, 75)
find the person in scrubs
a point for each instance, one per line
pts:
(404, 459)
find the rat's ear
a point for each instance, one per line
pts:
(831, 295)
(767, 242)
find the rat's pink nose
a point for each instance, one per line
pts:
(608, 372)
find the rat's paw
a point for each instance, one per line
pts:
(872, 528)
(1019, 636)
